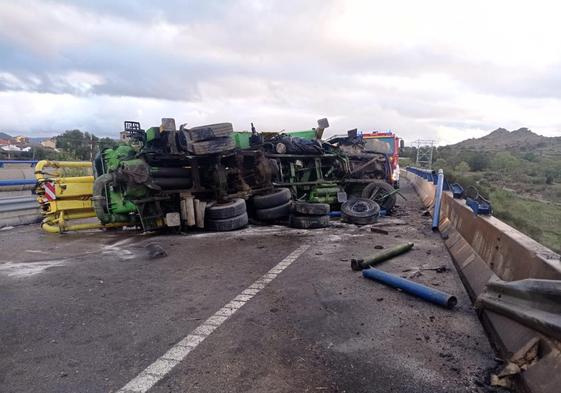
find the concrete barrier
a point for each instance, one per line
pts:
(486, 251)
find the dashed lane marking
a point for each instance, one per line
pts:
(155, 372)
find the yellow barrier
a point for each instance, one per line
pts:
(65, 198)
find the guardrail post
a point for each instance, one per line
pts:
(437, 200)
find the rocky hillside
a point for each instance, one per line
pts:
(521, 140)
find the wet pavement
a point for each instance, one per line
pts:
(88, 312)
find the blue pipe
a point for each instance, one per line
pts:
(17, 182)
(437, 200)
(31, 162)
(335, 214)
(426, 293)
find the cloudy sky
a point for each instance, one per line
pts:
(443, 70)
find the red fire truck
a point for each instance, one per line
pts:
(387, 142)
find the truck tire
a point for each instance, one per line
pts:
(376, 190)
(227, 224)
(216, 145)
(360, 211)
(276, 198)
(311, 209)
(308, 222)
(273, 213)
(359, 220)
(210, 131)
(234, 208)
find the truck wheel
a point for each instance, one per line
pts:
(311, 209)
(360, 211)
(359, 220)
(216, 145)
(210, 131)
(273, 213)
(227, 224)
(276, 198)
(308, 222)
(377, 191)
(230, 209)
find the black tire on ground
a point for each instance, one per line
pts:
(217, 145)
(360, 211)
(308, 222)
(273, 213)
(377, 189)
(222, 211)
(227, 224)
(276, 198)
(210, 131)
(359, 220)
(311, 209)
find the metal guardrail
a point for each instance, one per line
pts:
(18, 203)
(17, 182)
(532, 302)
(29, 162)
(426, 174)
(22, 209)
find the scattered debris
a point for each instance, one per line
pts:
(519, 362)
(426, 293)
(155, 251)
(390, 222)
(379, 230)
(360, 264)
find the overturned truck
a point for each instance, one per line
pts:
(169, 177)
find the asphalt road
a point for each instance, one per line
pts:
(88, 312)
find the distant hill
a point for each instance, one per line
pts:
(3, 135)
(521, 140)
(37, 140)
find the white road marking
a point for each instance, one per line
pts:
(155, 372)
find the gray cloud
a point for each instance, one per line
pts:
(276, 62)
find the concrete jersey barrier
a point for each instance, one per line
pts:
(492, 258)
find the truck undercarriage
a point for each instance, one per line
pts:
(161, 174)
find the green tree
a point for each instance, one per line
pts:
(479, 161)
(106, 143)
(441, 164)
(77, 144)
(463, 168)
(505, 162)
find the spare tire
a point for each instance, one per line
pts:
(360, 211)
(213, 146)
(311, 209)
(273, 213)
(308, 222)
(210, 131)
(230, 209)
(227, 224)
(377, 191)
(276, 198)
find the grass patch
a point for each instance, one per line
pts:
(537, 219)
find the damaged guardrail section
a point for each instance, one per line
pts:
(514, 282)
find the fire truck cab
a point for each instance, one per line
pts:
(385, 142)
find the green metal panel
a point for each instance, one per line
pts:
(307, 134)
(152, 133)
(242, 139)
